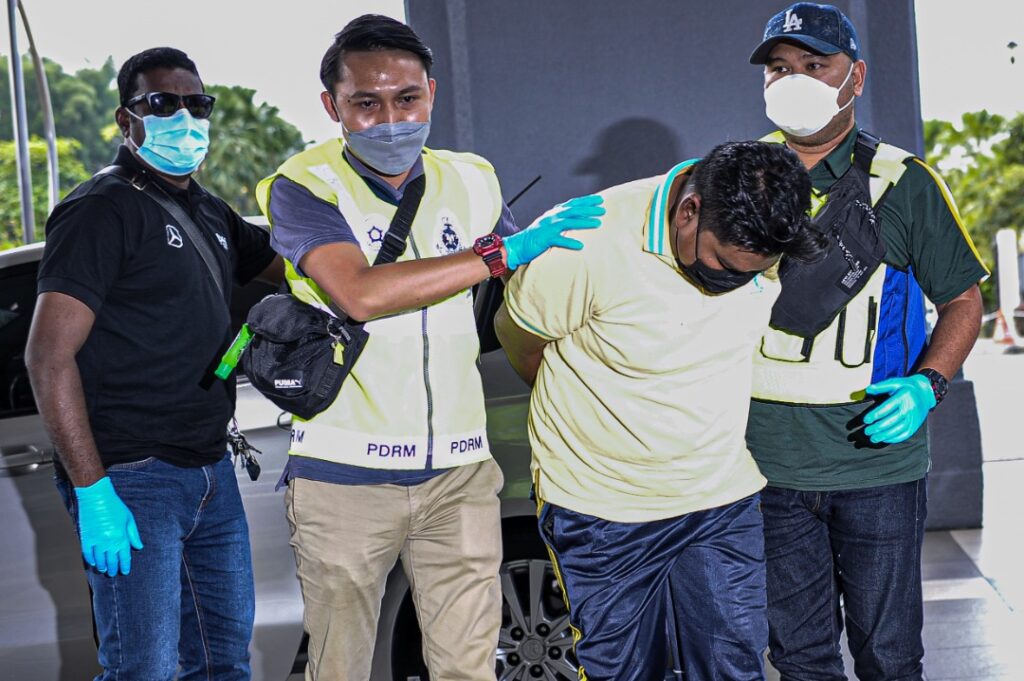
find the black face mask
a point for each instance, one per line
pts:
(712, 280)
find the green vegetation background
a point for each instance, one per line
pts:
(249, 140)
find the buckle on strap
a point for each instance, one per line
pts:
(393, 242)
(139, 181)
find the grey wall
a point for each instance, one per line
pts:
(591, 93)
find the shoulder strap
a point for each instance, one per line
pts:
(864, 151)
(393, 244)
(155, 193)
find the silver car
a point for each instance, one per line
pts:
(46, 630)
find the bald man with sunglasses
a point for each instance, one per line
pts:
(132, 315)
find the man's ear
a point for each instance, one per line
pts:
(860, 72)
(123, 120)
(691, 205)
(327, 99)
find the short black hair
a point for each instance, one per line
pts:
(371, 33)
(756, 195)
(149, 60)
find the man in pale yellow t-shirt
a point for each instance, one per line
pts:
(639, 352)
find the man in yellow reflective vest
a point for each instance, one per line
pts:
(836, 417)
(398, 467)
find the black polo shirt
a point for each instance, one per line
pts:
(161, 325)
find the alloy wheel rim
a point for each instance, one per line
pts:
(535, 641)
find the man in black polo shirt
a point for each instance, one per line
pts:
(129, 324)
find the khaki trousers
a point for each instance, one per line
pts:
(447, 533)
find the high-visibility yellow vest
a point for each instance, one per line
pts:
(836, 365)
(414, 399)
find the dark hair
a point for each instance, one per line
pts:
(148, 60)
(370, 33)
(756, 195)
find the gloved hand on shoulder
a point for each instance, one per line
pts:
(546, 232)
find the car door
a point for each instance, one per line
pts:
(46, 621)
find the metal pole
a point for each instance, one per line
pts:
(50, 130)
(28, 221)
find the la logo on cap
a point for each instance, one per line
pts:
(793, 22)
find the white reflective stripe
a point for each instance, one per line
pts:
(888, 165)
(481, 208)
(346, 205)
(810, 383)
(337, 445)
(461, 448)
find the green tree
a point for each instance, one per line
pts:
(989, 182)
(72, 171)
(83, 105)
(248, 141)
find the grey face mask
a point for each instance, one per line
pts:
(389, 148)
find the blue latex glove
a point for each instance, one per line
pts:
(106, 528)
(901, 415)
(579, 213)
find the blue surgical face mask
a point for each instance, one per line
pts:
(174, 145)
(389, 148)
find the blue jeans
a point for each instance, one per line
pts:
(188, 599)
(703, 572)
(863, 546)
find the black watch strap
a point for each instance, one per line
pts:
(940, 386)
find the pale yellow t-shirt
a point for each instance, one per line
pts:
(640, 406)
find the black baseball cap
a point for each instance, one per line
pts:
(820, 28)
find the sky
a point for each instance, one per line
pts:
(962, 46)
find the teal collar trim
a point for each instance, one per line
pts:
(657, 225)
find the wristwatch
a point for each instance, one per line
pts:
(488, 247)
(940, 386)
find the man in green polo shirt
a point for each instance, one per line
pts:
(639, 354)
(836, 420)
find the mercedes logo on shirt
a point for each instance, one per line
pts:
(173, 236)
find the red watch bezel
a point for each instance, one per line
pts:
(488, 247)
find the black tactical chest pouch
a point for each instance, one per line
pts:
(814, 293)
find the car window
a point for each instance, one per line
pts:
(17, 301)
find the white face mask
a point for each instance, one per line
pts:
(801, 105)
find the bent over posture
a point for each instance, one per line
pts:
(639, 353)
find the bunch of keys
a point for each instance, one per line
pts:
(243, 452)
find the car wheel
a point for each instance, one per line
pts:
(535, 641)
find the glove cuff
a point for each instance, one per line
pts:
(512, 251)
(100, 488)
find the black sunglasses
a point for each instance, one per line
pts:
(165, 104)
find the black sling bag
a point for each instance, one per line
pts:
(814, 293)
(291, 358)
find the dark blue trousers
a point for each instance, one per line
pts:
(624, 582)
(863, 546)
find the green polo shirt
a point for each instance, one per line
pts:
(810, 447)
